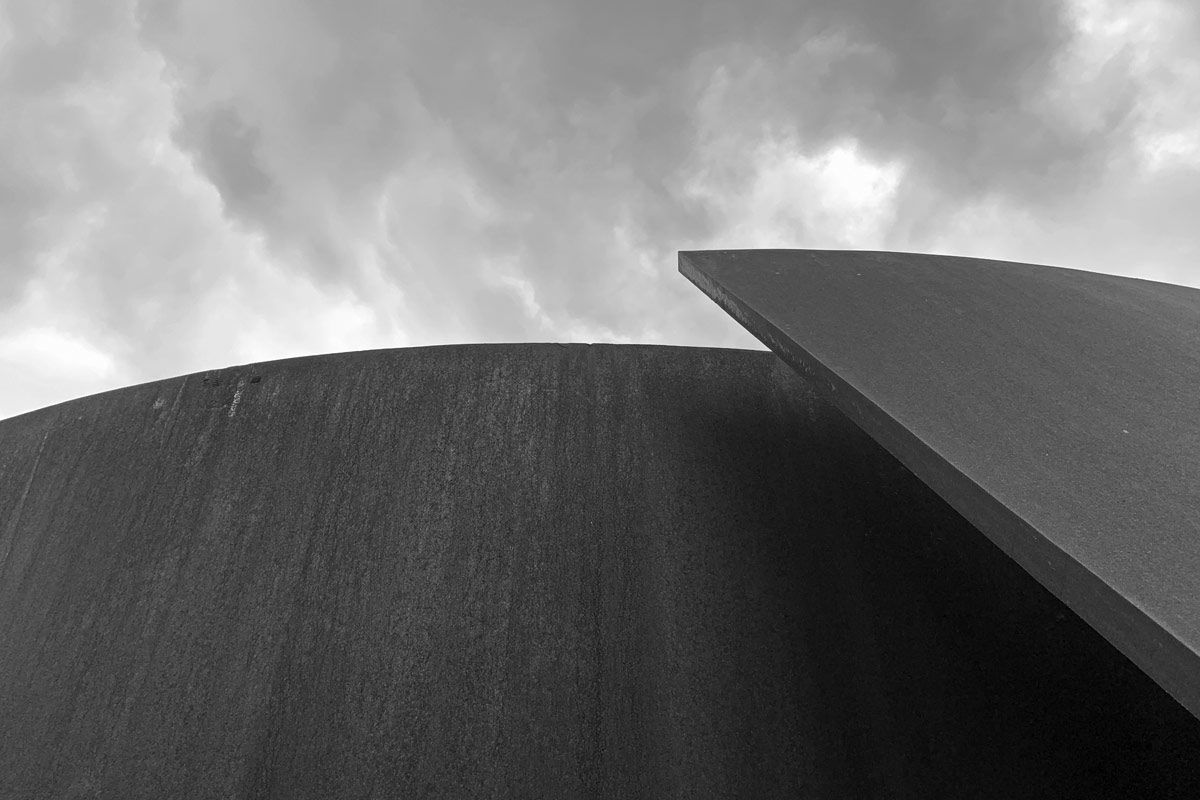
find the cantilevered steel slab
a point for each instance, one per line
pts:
(1057, 410)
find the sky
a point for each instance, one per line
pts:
(192, 184)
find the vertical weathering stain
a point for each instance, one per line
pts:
(14, 521)
(237, 397)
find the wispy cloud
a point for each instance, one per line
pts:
(193, 183)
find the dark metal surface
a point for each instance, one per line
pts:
(1058, 410)
(528, 571)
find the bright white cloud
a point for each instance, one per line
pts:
(51, 353)
(835, 198)
(41, 361)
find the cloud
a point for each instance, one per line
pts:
(833, 199)
(192, 183)
(51, 353)
(1131, 78)
(554, 124)
(44, 361)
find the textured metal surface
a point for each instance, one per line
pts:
(528, 571)
(1058, 410)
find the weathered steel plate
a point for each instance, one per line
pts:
(528, 571)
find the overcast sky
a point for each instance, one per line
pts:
(192, 184)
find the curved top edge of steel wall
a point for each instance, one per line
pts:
(30, 417)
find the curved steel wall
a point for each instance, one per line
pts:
(527, 570)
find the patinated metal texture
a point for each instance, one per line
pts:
(1057, 410)
(528, 571)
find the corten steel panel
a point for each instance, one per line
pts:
(1058, 410)
(528, 571)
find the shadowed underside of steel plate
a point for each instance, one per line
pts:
(1057, 410)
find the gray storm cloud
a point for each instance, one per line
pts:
(187, 182)
(572, 119)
